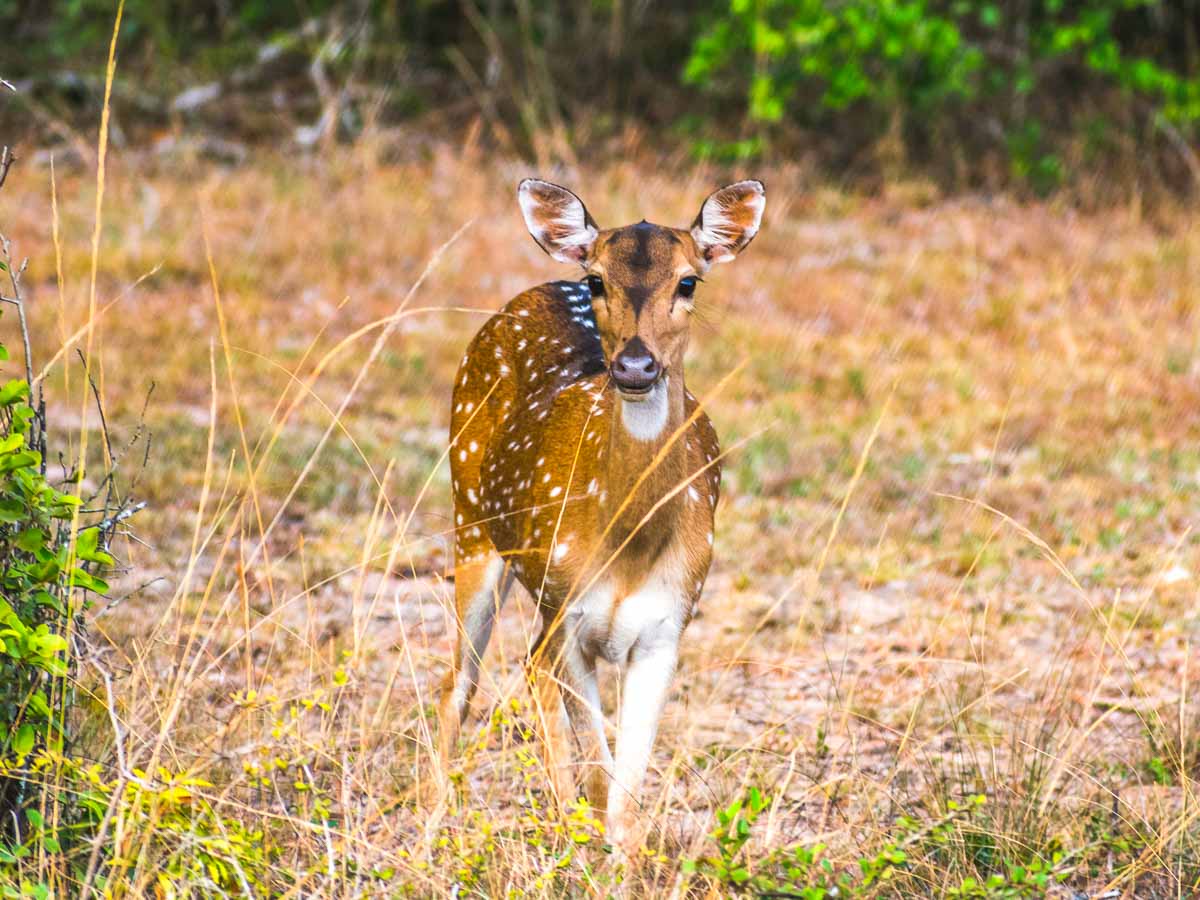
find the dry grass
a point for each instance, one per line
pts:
(997, 596)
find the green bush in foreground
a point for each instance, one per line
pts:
(57, 809)
(50, 552)
(44, 555)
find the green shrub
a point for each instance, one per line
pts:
(910, 859)
(45, 553)
(51, 552)
(977, 70)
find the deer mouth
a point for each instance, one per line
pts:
(636, 395)
(640, 393)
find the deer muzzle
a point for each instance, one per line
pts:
(635, 370)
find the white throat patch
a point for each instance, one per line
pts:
(645, 419)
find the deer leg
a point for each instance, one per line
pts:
(644, 690)
(480, 587)
(569, 707)
(550, 710)
(587, 720)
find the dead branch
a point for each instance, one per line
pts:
(6, 160)
(14, 279)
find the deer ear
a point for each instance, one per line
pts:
(729, 220)
(558, 220)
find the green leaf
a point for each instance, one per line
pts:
(31, 540)
(757, 801)
(45, 598)
(89, 582)
(37, 703)
(11, 511)
(26, 458)
(87, 547)
(47, 644)
(45, 571)
(23, 741)
(13, 391)
(8, 615)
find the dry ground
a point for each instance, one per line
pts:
(956, 552)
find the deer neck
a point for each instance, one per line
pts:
(638, 433)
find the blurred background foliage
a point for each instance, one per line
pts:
(1031, 94)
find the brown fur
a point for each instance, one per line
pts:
(540, 450)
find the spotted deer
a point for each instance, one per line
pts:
(583, 468)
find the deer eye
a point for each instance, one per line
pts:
(595, 285)
(687, 287)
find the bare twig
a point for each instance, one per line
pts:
(37, 437)
(6, 158)
(121, 516)
(99, 406)
(117, 601)
(14, 279)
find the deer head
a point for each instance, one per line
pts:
(642, 277)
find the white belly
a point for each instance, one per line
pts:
(648, 616)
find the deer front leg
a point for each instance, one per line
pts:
(644, 691)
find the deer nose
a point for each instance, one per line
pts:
(635, 369)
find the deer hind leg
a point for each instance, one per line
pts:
(587, 721)
(480, 586)
(567, 702)
(545, 660)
